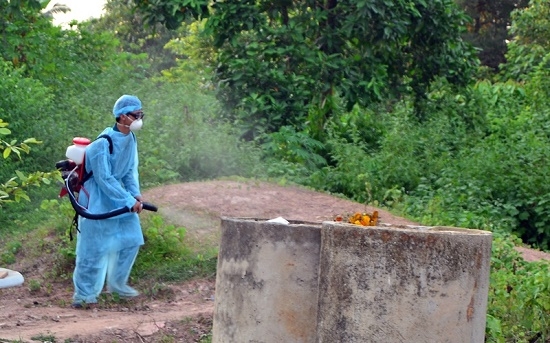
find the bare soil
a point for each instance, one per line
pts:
(179, 312)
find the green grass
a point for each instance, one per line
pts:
(25, 216)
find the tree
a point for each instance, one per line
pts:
(135, 36)
(57, 8)
(18, 18)
(283, 62)
(488, 30)
(530, 43)
(31, 42)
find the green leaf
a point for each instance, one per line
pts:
(523, 215)
(16, 150)
(7, 152)
(21, 195)
(4, 131)
(20, 175)
(32, 140)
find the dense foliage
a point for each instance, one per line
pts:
(283, 63)
(335, 103)
(519, 296)
(529, 46)
(135, 37)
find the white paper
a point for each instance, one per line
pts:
(279, 220)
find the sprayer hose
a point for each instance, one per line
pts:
(81, 211)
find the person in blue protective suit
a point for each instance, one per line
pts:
(106, 249)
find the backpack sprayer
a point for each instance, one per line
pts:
(74, 175)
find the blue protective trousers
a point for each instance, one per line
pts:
(91, 272)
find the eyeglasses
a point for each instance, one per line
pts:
(137, 115)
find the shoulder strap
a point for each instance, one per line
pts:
(89, 174)
(108, 138)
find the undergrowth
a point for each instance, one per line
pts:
(168, 254)
(519, 296)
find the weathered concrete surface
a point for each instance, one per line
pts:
(339, 282)
(403, 284)
(266, 282)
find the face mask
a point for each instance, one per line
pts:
(136, 125)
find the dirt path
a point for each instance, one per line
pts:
(25, 317)
(184, 311)
(256, 200)
(43, 318)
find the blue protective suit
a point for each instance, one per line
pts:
(106, 249)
